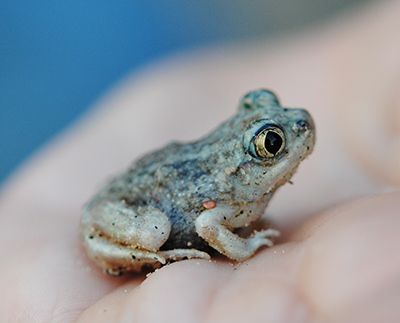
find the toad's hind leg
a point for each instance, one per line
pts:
(179, 254)
(117, 259)
(120, 237)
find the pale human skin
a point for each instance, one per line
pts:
(341, 264)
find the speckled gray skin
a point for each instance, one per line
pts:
(184, 199)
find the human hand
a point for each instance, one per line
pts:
(340, 265)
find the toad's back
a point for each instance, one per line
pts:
(177, 180)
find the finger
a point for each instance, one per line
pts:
(327, 275)
(199, 291)
(176, 293)
(351, 260)
(373, 102)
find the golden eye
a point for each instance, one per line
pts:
(269, 142)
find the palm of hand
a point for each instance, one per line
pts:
(341, 265)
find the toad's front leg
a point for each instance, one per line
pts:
(215, 227)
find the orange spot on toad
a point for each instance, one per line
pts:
(209, 204)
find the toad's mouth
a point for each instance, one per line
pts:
(283, 171)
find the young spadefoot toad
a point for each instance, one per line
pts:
(185, 200)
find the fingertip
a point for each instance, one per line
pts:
(352, 253)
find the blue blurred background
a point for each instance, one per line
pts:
(57, 57)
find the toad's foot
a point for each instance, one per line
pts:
(178, 254)
(116, 259)
(262, 238)
(214, 226)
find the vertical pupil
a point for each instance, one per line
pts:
(273, 142)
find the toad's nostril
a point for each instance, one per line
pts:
(302, 125)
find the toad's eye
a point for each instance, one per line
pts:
(269, 142)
